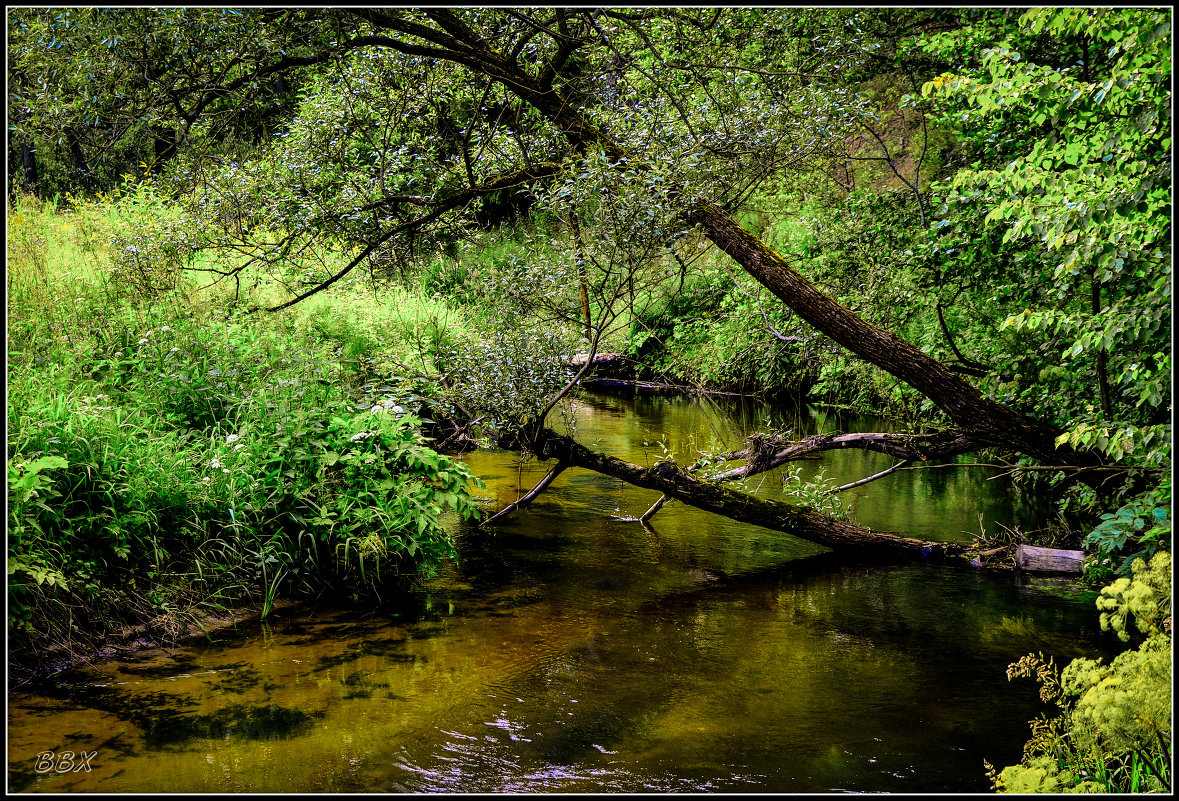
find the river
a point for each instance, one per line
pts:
(574, 650)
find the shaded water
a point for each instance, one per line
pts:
(573, 650)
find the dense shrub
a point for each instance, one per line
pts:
(161, 455)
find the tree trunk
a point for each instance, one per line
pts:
(583, 285)
(981, 418)
(1102, 368)
(800, 521)
(28, 156)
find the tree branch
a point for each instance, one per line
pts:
(868, 479)
(514, 178)
(766, 453)
(800, 521)
(527, 498)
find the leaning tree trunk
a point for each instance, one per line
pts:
(981, 418)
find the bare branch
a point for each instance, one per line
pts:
(868, 479)
(766, 453)
(528, 497)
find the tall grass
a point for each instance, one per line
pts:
(166, 451)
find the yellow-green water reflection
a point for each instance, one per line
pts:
(573, 650)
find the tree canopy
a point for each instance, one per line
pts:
(1024, 260)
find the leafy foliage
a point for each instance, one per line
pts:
(161, 456)
(1114, 730)
(1081, 182)
(1145, 598)
(1138, 529)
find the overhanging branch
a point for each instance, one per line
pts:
(509, 179)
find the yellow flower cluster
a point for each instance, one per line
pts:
(1146, 597)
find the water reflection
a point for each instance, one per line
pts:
(573, 651)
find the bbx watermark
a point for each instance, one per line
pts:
(65, 762)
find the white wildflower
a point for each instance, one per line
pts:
(387, 406)
(216, 463)
(232, 438)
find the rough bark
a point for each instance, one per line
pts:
(984, 420)
(799, 521)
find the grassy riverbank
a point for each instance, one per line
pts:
(169, 454)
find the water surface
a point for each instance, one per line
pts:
(572, 650)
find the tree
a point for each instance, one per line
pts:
(125, 90)
(414, 115)
(1082, 185)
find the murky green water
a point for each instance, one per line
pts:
(573, 650)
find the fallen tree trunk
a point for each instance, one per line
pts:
(800, 521)
(605, 365)
(1048, 560)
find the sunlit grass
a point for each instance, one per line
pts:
(168, 448)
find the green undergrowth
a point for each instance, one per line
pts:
(1112, 731)
(168, 452)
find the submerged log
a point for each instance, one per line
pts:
(1048, 560)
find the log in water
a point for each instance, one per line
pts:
(1048, 560)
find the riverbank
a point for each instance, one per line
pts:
(166, 631)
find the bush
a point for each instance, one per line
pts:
(161, 457)
(1114, 731)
